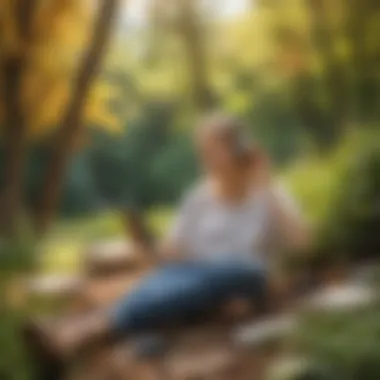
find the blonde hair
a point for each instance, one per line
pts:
(233, 132)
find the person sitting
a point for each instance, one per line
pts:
(220, 253)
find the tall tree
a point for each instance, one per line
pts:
(334, 73)
(190, 31)
(12, 66)
(72, 122)
(39, 45)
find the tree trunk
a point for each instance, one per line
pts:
(73, 118)
(334, 77)
(14, 146)
(137, 229)
(190, 32)
(15, 125)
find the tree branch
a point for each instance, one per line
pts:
(73, 118)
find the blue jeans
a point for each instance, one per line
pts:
(174, 292)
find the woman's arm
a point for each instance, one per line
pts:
(285, 216)
(175, 245)
(290, 225)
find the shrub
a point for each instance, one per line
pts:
(340, 194)
(16, 259)
(348, 344)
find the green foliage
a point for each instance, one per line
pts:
(300, 368)
(340, 195)
(17, 258)
(124, 167)
(174, 169)
(275, 124)
(17, 254)
(358, 208)
(14, 363)
(62, 251)
(80, 194)
(348, 344)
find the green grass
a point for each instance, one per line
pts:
(62, 251)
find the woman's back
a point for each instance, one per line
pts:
(210, 229)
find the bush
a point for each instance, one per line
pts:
(16, 259)
(14, 363)
(340, 195)
(355, 225)
(347, 344)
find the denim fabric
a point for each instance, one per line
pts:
(175, 291)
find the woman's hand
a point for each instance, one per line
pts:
(293, 229)
(262, 171)
(169, 252)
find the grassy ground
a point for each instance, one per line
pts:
(63, 249)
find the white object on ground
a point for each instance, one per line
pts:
(111, 250)
(54, 285)
(264, 331)
(111, 255)
(343, 297)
